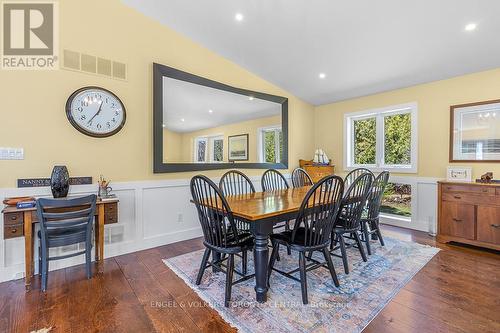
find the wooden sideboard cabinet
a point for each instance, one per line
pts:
(316, 172)
(469, 213)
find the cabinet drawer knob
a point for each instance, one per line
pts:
(457, 220)
(457, 197)
(13, 217)
(495, 225)
(13, 231)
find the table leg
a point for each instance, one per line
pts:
(100, 234)
(261, 260)
(28, 249)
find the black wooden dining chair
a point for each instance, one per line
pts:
(220, 233)
(301, 178)
(65, 222)
(353, 175)
(312, 231)
(235, 182)
(349, 218)
(370, 220)
(273, 180)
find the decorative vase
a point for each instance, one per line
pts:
(59, 181)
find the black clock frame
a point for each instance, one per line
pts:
(84, 131)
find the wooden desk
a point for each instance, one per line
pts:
(262, 210)
(19, 222)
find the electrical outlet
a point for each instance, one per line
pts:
(11, 153)
(180, 217)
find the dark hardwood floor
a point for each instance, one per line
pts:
(457, 291)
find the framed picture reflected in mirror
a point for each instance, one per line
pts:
(238, 147)
(475, 132)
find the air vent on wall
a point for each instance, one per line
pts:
(96, 65)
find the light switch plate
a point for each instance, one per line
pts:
(11, 153)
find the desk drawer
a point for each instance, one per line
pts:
(111, 213)
(469, 188)
(13, 231)
(13, 218)
(473, 199)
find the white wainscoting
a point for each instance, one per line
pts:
(154, 213)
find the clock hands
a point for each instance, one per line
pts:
(98, 111)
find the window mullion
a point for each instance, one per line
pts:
(380, 149)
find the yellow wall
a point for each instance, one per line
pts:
(32, 114)
(434, 100)
(249, 127)
(172, 143)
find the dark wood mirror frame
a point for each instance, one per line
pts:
(452, 134)
(160, 71)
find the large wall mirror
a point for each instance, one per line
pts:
(200, 124)
(475, 132)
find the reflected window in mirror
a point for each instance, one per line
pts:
(270, 144)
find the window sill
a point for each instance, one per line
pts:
(380, 169)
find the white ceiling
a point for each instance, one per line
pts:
(362, 46)
(191, 103)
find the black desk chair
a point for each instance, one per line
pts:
(221, 237)
(312, 231)
(349, 217)
(65, 222)
(301, 178)
(370, 220)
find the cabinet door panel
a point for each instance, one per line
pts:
(457, 220)
(488, 224)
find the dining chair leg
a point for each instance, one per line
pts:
(360, 246)
(203, 265)
(379, 234)
(366, 234)
(216, 258)
(328, 259)
(45, 269)
(229, 279)
(244, 261)
(288, 250)
(274, 255)
(303, 279)
(88, 267)
(343, 251)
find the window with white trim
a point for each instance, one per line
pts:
(382, 139)
(270, 143)
(209, 149)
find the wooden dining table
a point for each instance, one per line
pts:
(262, 210)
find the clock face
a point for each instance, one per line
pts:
(95, 112)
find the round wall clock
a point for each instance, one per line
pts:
(95, 111)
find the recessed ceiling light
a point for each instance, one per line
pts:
(322, 75)
(182, 119)
(238, 17)
(210, 111)
(470, 27)
(250, 98)
(163, 125)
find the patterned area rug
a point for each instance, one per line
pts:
(362, 293)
